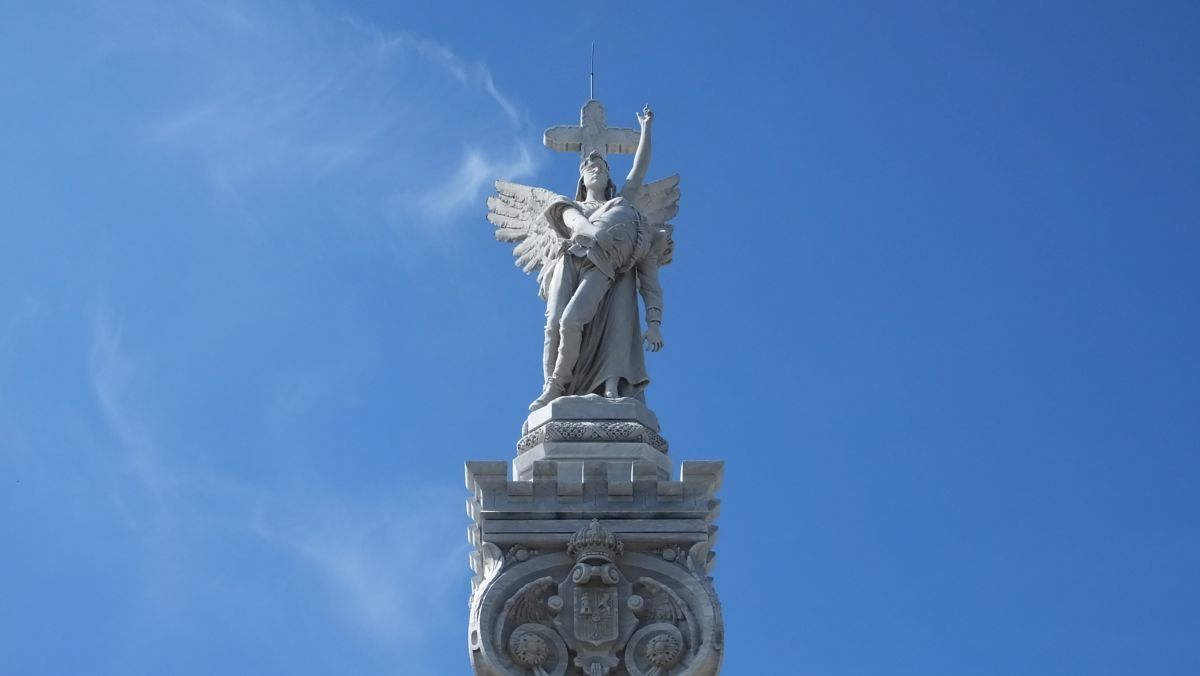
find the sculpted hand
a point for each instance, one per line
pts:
(582, 230)
(654, 339)
(645, 116)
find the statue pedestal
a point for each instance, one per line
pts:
(592, 562)
(579, 429)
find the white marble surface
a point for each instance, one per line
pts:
(591, 407)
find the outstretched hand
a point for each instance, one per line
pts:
(653, 338)
(645, 116)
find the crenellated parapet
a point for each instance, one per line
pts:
(595, 565)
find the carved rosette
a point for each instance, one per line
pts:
(595, 608)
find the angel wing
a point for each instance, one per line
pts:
(529, 604)
(516, 211)
(658, 202)
(662, 604)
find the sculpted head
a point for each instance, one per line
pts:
(594, 175)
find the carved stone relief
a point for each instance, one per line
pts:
(595, 609)
(602, 430)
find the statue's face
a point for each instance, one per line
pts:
(594, 172)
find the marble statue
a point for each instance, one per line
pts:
(594, 254)
(589, 559)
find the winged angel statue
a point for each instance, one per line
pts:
(593, 255)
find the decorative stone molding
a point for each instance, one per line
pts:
(584, 431)
(589, 559)
(576, 430)
(594, 606)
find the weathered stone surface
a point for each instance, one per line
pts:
(579, 429)
(605, 573)
(592, 407)
(571, 460)
(593, 135)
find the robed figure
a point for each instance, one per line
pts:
(594, 254)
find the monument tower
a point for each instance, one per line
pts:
(589, 559)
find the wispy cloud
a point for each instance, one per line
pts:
(135, 473)
(389, 569)
(469, 74)
(278, 94)
(470, 182)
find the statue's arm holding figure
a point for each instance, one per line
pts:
(579, 227)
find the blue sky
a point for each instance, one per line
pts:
(935, 301)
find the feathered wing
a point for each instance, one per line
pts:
(516, 211)
(529, 604)
(662, 604)
(658, 202)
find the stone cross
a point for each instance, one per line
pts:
(591, 134)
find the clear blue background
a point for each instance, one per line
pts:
(935, 302)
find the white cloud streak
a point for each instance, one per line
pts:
(470, 74)
(392, 570)
(389, 569)
(292, 95)
(469, 183)
(133, 465)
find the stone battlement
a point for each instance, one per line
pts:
(595, 486)
(660, 534)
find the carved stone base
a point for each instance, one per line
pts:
(600, 572)
(576, 429)
(591, 407)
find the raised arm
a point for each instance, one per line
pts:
(641, 158)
